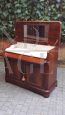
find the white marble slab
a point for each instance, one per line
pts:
(39, 51)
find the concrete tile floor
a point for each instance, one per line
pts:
(18, 101)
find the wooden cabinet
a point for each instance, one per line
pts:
(36, 74)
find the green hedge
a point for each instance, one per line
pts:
(10, 10)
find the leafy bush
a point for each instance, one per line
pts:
(10, 10)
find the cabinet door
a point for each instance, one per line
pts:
(35, 74)
(14, 68)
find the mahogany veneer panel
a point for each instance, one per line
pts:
(36, 74)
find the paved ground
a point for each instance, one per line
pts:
(18, 101)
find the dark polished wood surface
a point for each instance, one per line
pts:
(36, 74)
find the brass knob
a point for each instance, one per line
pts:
(23, 78)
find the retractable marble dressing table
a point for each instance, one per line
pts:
(32, 62)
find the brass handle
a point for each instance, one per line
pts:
(23, 78)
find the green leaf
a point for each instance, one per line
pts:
(5, 14)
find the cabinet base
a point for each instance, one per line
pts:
(44, 92)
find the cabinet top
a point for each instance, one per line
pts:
(38, 32)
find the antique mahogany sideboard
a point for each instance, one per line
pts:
(33, 71)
